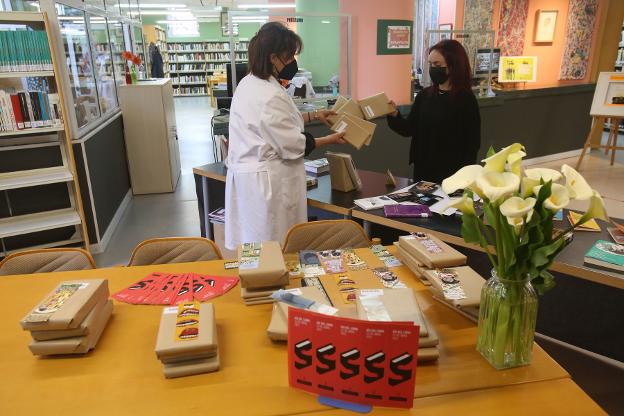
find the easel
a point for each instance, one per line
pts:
(595, 136)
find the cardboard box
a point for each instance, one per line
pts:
(471, 282)
(270, 271)
(431, 251)
(168, 347)
(66, 306)
(355, 135)
(399, 305)
(76, 345)
(189, 368)
(81, 331)
(376, 106)
(278, 327)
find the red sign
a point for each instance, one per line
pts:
(348, 359)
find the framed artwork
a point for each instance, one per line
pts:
(545, 22)
(487, 60)
(445, 26)
(517, 69)
(609, 95)
(394, 37)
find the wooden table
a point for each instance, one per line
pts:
(123, 376)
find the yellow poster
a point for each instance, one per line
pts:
(517, 69)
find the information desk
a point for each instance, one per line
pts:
(122, 375)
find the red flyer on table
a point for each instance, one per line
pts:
(140, 289)
(169, 291)
(353, 360)
(207, 287)
(185, 294)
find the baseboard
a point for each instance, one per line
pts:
(551, 158)
(100, 247)
(602, 358)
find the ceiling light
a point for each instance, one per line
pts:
(267, 6)
(172, 22)
(325, 21)
(241, 18)
(165, 12)
(156, 6)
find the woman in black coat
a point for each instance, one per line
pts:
(444, 122)
(157, 61)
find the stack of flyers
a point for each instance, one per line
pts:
(310, 264)
(171, 289)
(353, 261)
(388, 278)
(591, 225)
(292, 264)
(331, 261)
(347, 288)
(250, 256)
(384, 255)
(451, 286)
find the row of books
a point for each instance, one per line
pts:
(186, 67)
(206, 46)
(192, 78)
(24, 50)
(29, 109)
(189, 90)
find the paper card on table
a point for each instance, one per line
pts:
(591, 225)
(354, 262)
(207, 287)
(354, 360)
(185, 294)
(170, 290)
(137, 290)
(154, 297)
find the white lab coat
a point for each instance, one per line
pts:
(265, 188)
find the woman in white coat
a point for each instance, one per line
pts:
(265, 191)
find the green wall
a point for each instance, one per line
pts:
(207, 31)
(321, 41)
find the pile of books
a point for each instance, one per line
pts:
(187, 340)
(24, 50)
(262, 271)
(29, 109)
(443, 269)
(70, 319)
(316, 167)
(606, 255)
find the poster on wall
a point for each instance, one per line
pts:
(487, 60)
(394, 37)
(609, 95)
(545, 22)
(517, 69)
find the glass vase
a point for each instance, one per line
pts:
(507, 316)
(133, 74)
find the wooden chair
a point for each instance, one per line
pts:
(46, 260)
(325, 235)
(174, 250)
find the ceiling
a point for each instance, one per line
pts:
(206, 9)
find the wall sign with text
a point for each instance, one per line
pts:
(353, 360)
(517, 69)
(394, 37)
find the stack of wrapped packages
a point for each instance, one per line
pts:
(398, 305)
(444, 270)
(187, 340)
(262, 271)
(70, 319)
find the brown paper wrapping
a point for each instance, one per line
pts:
(166, 345)
(401, 306)
(376, 106)
(278, 327)
(271, 271)
(190, 368)
(448, 257)
(471, 282)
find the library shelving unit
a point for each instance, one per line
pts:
(191, 63)
(28, 218)
(158, 35)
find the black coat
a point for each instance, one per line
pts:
(157, 63)
(445, 131)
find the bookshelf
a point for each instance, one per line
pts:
(158, 35)
(33, 114)
(191, 63)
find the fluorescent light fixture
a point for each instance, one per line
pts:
(170, 22)
(252, 21)
(241, 18)
(325, 21)
(155, 6)
(166, 12)
(267, 6)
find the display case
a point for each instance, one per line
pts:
(112, 7)
(117, 44)
(103, 63)
(138, 47)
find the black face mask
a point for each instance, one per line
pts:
(438, 74)
(289, 70)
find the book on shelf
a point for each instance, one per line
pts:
(316, 167)
(24, 51)
(606, 254)
(29, 109)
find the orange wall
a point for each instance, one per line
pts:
(446, 11)
(372, 73)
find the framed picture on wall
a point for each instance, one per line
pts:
(445, 26)
(545, 22)
(394, 37)
(609, 95)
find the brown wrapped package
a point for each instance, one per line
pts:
(278, 327)
(427, 354)
(58, 311)
(251, 294)
(168, 347)
(259, 301)
(431, 251)
(399, 305)
(471, 282)
(271, 270)
(190, 368)
(355, 133)
(376, 106)
(413, 264)
(76, 345)
(82, 330)
(188, 358)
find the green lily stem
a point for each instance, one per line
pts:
(484, 243)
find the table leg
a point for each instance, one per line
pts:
(367, 227)
(207, 229)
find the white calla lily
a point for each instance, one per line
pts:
(516, 207)
(518, 222)
(496, 162)
(596, 209)
(462, 179)
(496, 185)
(559, 197)
(576, 184)
(514, 160)
(464, 204)
(543, 173)
(527, 185)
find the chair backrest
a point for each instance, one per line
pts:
(46, 260)
(325, 235)
(174, 250)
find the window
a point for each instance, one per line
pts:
(103, 64)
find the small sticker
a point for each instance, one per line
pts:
(187, 321)
(341, 127)
(369, 111)
(170, 310)
(231, 265)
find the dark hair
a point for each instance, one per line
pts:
(272, 38)
(457, 63)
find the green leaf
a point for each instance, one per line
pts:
(544, 192)
(490, 152)
(544, 255)
(543, 282)
(470, 228)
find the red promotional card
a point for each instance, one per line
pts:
(207, 287)
(185, 294)
(357, 361)
(140, 289)
(169, 292)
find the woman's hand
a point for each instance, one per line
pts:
(334, 138)
(396, 111)
(323, 114)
